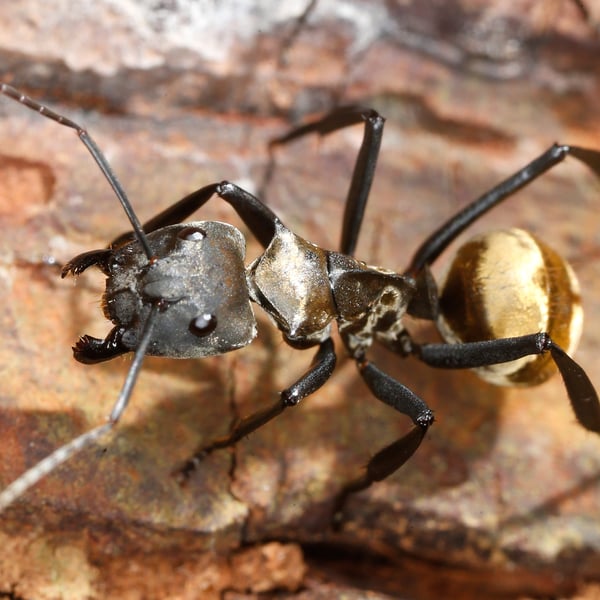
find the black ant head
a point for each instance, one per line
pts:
(196, 277)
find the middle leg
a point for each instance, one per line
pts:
(319, 372)
(364, 167)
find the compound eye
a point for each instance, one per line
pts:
(192, 234)
(203, 324)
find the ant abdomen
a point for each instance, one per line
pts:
(508, 283)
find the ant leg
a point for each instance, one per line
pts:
(437, 242)
(290, 38)
(392, 457)
(580, 390)
(586, 15)
(319, 372)
(176, 213)
(256, 215)
(364, 167)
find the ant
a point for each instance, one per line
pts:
(182, 290)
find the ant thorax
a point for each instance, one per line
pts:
(290, 281)
(371, 302)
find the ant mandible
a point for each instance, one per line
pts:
(181, 290)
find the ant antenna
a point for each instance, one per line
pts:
(18, 487)
(96, 153)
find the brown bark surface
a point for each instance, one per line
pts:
(503, 498)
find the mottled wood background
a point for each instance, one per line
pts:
(503, 498)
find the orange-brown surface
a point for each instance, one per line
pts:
(503, 498)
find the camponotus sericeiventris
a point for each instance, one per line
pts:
(166, 295)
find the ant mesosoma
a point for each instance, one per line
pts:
(182, 290)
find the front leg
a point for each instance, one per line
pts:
(258, 217)
(319, 372)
